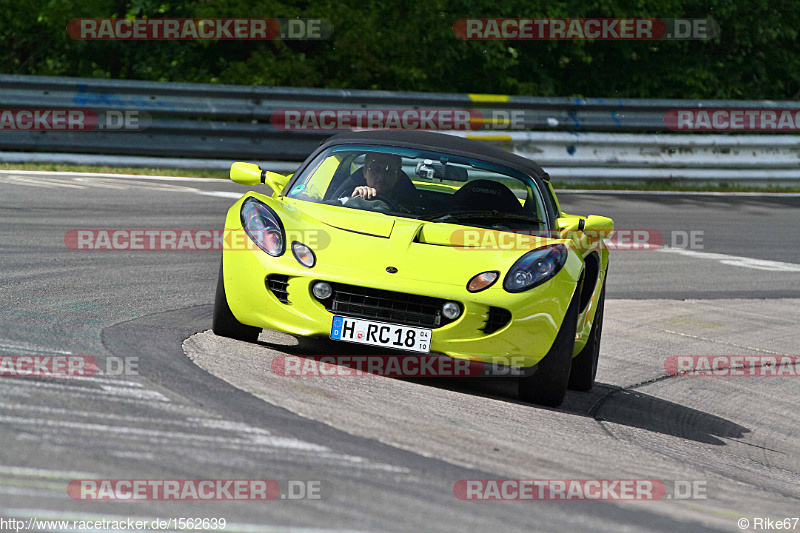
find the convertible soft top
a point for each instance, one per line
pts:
(438, 141)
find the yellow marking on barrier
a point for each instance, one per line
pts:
(489, 137)
(497, 121)
(487, 98)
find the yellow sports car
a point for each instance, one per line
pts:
(423, 242)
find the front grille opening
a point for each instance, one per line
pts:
(497, 318)
(386, 306)
(279, 285)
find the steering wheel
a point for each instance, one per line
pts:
(380, 198)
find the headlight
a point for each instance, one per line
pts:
(535, 267)
(303, 254)
(263, 226)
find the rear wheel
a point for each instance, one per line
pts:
(225, 324)
(549, 384)
(584, 365)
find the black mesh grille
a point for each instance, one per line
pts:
(498, 318)
(387, 306)
(279, 285)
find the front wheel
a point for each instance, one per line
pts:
(548, 385)
(225, 324)
(584, 365)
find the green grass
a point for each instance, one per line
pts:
(659, 185)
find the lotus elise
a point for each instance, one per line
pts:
(423, 242)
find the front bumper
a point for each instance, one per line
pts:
(536, 315)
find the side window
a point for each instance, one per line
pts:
(551, 198)
(535, 203)
(321, 177)
(357, 163)
(349, 164)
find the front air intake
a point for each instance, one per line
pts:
(496, 319)
(279, 285)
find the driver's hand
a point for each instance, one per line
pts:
(365, 192)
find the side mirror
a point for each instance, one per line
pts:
(592, 227)
(251, 175)
(598, 227)
(568, 224)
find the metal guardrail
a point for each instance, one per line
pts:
(572, 138)
(625, 156)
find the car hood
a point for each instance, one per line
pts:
(355, 220)
(349, 241)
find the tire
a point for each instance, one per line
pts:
(584, 365)
(225, 324)
(548, 385)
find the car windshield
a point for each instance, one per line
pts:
(425, 185)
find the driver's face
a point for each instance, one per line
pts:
(381, 173)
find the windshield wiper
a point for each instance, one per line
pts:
(469, 215)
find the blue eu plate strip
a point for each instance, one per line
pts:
(336, 327)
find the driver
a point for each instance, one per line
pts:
(381, 175)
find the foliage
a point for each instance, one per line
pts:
(410, 46)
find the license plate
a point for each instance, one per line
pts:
(374, 333)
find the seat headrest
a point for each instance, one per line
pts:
(485, 195)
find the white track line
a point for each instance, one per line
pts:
(46, 183)
(5, 346)
(34, 493)
(81, 181)
(21, 471)
(89, 394)
(148, 434)
(733, 260)
(98, 380)
(678, 193)
(558, 191)
(107, 175)
(65, 389)
(222, 194)
(190, 423)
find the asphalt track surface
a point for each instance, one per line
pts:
(388, 452)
